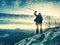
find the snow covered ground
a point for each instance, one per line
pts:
(50, 37)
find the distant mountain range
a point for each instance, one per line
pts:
(3, 15)
(47, 19)
(10, 36)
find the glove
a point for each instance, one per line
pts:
(35, 11)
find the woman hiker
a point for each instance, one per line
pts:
(38, 21)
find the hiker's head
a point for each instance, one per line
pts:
(39, 13)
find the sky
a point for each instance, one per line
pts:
(46, 7)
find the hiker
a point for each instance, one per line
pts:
(38, 21)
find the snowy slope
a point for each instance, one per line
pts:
(50, 37)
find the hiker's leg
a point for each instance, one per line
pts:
(41, 28)
(37, 28)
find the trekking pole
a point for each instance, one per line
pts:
(30, 9)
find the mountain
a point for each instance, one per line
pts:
(11, 36)
(3, 15)
(14, 18)
(50, 37)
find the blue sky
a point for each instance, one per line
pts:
(46, 7)
(6, 6)
(23, 3)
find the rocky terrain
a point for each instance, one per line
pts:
(50, 37)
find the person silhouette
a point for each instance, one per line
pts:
(38, 21)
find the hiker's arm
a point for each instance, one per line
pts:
(35, 13)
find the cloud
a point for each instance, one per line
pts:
(20, 6)
(22, 3)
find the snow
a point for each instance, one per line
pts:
(40, 39)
